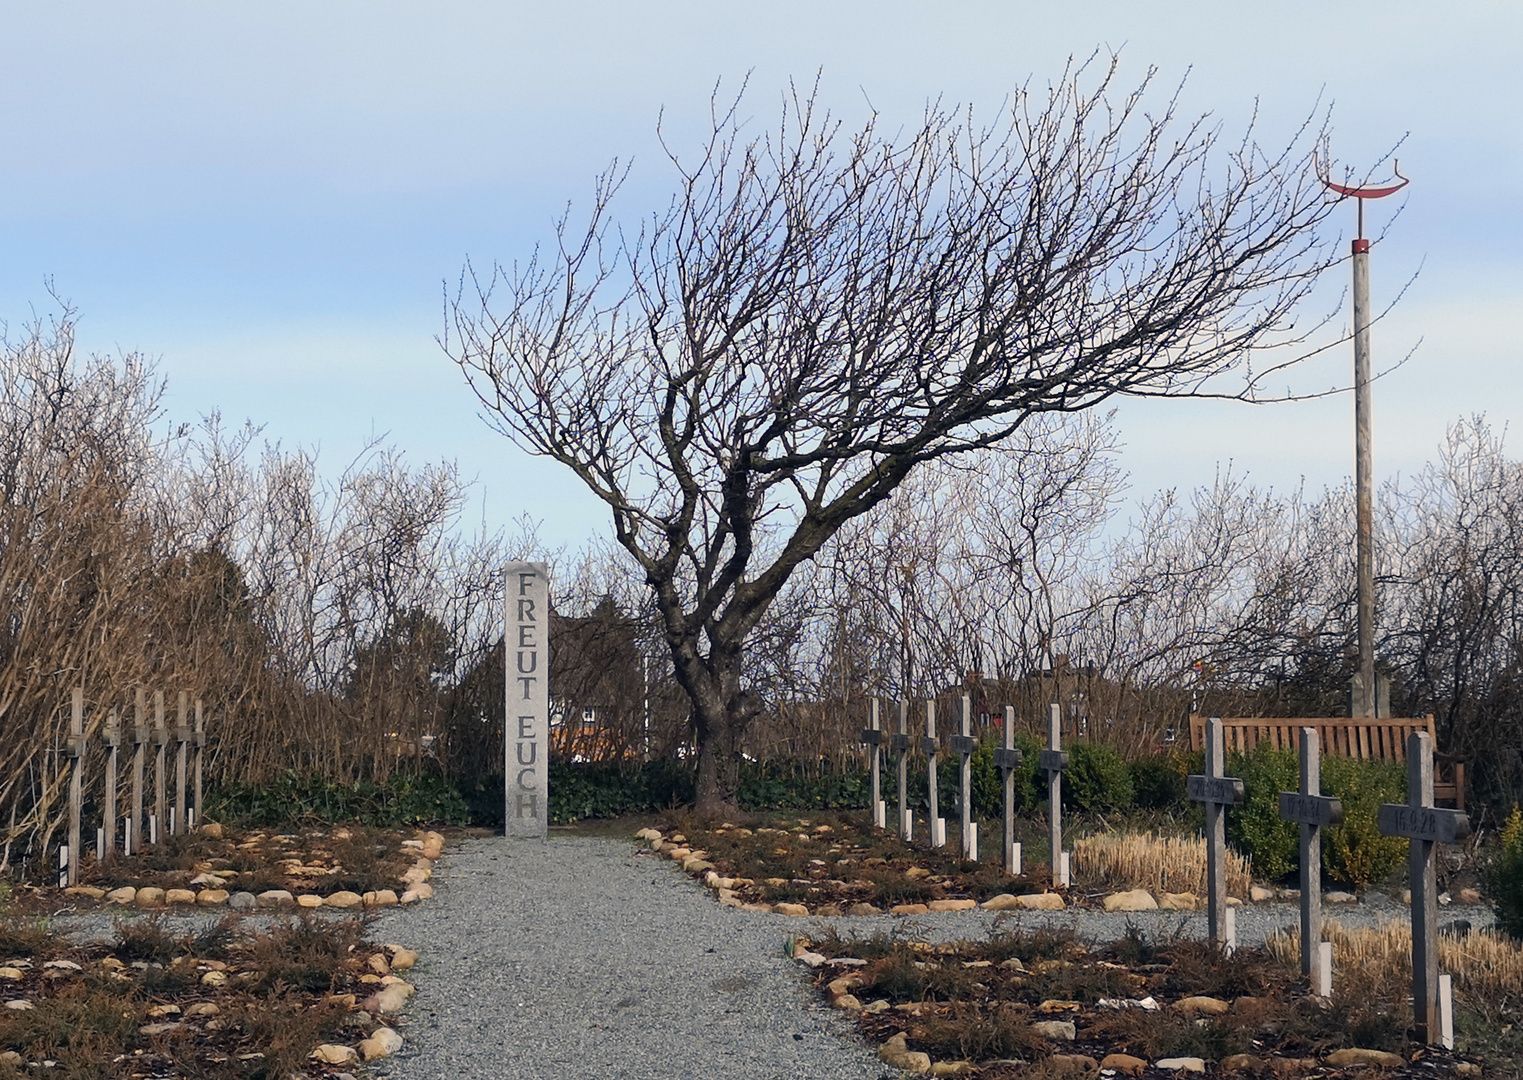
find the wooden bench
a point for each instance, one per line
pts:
(1384, 739)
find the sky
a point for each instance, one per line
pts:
(273, 199)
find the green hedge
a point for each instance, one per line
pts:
(294, 797)
(1504, 877)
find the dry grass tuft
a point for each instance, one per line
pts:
(1156, 863)
(1486, 965)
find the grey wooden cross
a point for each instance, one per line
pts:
(872, 738)
(111, 736)
(1312, 810)
(183, 736)
(963, 744)
(901, 744)
(1216, 791)
(76, 753)
(1424, 824)
(196, 772)
(160, 776)
(1007, 759)
(1054, 760)
(135, 835)
(932, 750)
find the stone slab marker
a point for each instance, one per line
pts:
(901, 745)
(1216, 791)
(183, 736)
(932, 749)
(872, 738)
(1054, 760)
(139, 737)
(1312, 810)
(1424, 825)
(75, 748)
(1007, 759)
(111, 737)
(963, 744)
(526, 742)
(160, 777)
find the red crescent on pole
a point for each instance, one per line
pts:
(1369, 192)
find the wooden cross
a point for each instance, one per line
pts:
(1216, 791)
(200, 745)
(139, 737)
(963, 744)
(183, 736)
(112, 737)
(1054, 760)
(872, 738)
(160, 741)
(1312, 810)
(901, 745)
(932, 750)
(1420, 822)
(76, 751)
(1007, 759)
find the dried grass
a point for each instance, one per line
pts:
(1156, 863)
(1486, 965)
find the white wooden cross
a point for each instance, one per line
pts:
(963, 744)
(1216, 791)
(901, 744)
(1312, 810)
(872, 738)
(932, 750)
(1054, 760)
(1007, 759)
(1424, 825)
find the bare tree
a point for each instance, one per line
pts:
(822, 310)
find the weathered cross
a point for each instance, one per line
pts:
(1007, 759)
(963, 744)
(1424, 825)
(932, 749)
(1216, 791)
(111, 737)
(1312, 810)
(901, 745)
(1054, 760)
(183, 736)
(872, 738)
(76, 753)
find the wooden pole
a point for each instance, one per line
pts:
(931, 747)
(902, 744)
(1364, 473)
(1055, 792)
(76, 751)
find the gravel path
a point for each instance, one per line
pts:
(580, 958)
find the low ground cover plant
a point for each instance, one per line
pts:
(233, 1000)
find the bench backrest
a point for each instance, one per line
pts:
(1384, 739)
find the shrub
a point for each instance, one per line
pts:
(1097, 778)
(1504, 877)
(1158, 781)
(1255, 828)
(1356, 852)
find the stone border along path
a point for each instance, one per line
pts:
(587, 957)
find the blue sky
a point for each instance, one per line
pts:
(270, 198)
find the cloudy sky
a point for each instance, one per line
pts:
(270, 198)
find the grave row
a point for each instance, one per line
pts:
(137, 827)
(1417, 820)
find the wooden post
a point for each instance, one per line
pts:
(901, 744)
(932, 750)
(183, 734)
(1007, 759)
(872, 738)
(1054, 760)
(76, 752)
(1312, 810)
(1216, 791)
(160, 742)
(963, 745)
(139, 737)
(1424, 825)
(200, 745)
(112, 737)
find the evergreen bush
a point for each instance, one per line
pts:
(1158, 780)
(1504, 877)
(1355, 852)
(1255, 828)
(1097, 778)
